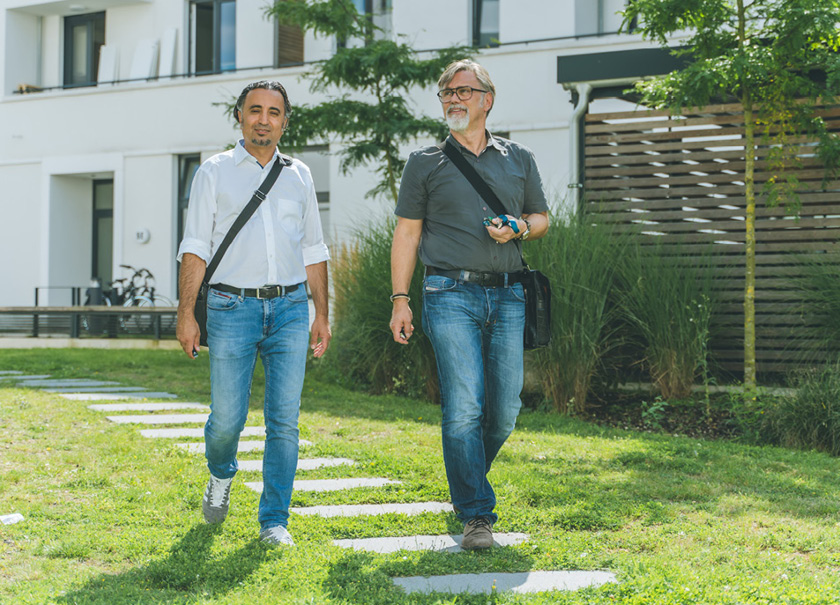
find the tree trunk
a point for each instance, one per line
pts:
(749, 223)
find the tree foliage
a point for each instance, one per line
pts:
(369, 81)
(779, 59)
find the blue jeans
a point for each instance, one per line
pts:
(237, 330)
(476, 333)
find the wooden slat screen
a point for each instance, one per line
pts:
(680, 179)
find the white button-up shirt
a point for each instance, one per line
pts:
(280, 239)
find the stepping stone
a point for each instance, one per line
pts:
(483, 583)
(70, 382)
(96, 390)
(145, 407)
(111, 395)
(159, 419)
(248, 431)
(303, 465)
(18, 377)
(9, 372)
(244, 446)
(329, 485)
(450, 544)
(353, 510)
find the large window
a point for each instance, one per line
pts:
(187, 166)
(84, 35)
(379, 13)
(103, 229)
(485, 23)
(212, 36)
(597, 17)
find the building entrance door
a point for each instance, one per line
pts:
(103, 230)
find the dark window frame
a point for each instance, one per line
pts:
(99, 214)
(95, 26)
(215, 59)
(477, 34)
(188, 164)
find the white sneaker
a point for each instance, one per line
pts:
(277, 536)
(216, 499)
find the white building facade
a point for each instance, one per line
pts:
(108, 106)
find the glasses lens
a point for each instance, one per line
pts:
(464, 92)
(445, 94)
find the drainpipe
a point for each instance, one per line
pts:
(581, 91)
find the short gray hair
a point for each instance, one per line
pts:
(471, 66)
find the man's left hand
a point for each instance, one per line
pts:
(503, 233)
(320, 336)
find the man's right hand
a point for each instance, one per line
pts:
(188, 334)
(401, 326)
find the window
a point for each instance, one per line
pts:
(212, 36)
(379, 13)
(84, 35)
(289, 45)
(597, 17)
(485, 23)
(187, 167)
(103, 229)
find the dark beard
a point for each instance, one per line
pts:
(261, 142)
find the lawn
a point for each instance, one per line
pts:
(112, 517)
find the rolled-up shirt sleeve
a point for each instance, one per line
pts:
(201, 216)
(313, 246)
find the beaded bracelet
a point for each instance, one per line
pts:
(400, 295)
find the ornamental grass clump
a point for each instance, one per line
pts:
(580, 259)
(810, 419)
(819, 289)
(362, 348)
(667, 303)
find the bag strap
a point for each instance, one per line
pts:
(247, 212)
(478, 183)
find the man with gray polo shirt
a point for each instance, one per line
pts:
(473, 300)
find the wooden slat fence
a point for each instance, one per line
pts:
(680, 180)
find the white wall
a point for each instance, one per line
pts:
(20, 233)
(535, 19)
(70, 229)
(254, 35)
(52, 35)
(23, 33)
(433, 24)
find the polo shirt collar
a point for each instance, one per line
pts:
(240, 154)
(491, 142)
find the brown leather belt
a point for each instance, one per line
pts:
(264, 292)
(478, 277)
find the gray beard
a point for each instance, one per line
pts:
(458, 124)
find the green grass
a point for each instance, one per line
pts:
(111, 517)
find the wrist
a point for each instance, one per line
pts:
(527, 230)
(400, 296)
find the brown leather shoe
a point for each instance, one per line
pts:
(478, 534)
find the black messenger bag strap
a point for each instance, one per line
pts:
(478, 183)
(247, 212)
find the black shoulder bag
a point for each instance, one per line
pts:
(537, 287)
(247, 212)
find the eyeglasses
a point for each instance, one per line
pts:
(464, 93)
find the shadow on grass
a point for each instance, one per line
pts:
(358, 578)
(188, 570)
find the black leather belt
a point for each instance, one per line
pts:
(264, 292)
(478, 277)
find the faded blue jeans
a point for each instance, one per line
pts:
(238, 329)
(476, 333)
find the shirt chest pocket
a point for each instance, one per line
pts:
(288, 214)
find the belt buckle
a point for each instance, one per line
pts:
(258, 292)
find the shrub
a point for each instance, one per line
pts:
(819, 287)
(810, 419)
(667, 301)
(363, 349)
(580, 260)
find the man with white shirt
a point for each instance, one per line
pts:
(257, 302)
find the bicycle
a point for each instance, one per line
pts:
(138, 291)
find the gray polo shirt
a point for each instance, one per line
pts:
(433, 189)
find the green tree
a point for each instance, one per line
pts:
(778, 59)
(369, 81)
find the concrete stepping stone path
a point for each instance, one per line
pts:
(160, 418)
(355, 510)
(111, 396)
(244, 446)
(145, 407)
(18, 376)
(329, 485)
(70, 382)
(303, 464)
(180, 433)
(97, 390)
(447, 543)
(525, 582)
